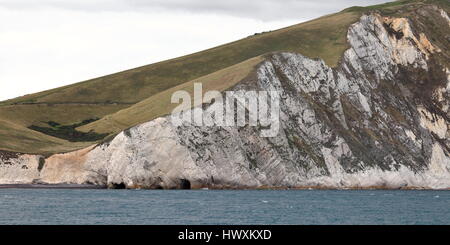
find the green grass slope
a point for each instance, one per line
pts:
(159, 104)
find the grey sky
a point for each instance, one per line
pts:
(59, 42)
(256, 9)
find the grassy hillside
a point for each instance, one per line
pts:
(17, 138)
(15, 120)
(393, 7)
(159, 104)
(323, 37)
(134, 96)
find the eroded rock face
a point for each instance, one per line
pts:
(18, 168)
(380, 119)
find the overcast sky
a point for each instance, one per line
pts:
(50, 43)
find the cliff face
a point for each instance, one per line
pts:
(379, 119)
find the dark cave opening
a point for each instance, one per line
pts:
(118, 186)
(185, 184)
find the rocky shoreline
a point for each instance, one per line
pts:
(50, 186)
(262, 188)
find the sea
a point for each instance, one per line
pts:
(223, 207)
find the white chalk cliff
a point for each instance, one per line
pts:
(379, 119)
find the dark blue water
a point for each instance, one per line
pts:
(49, 206)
